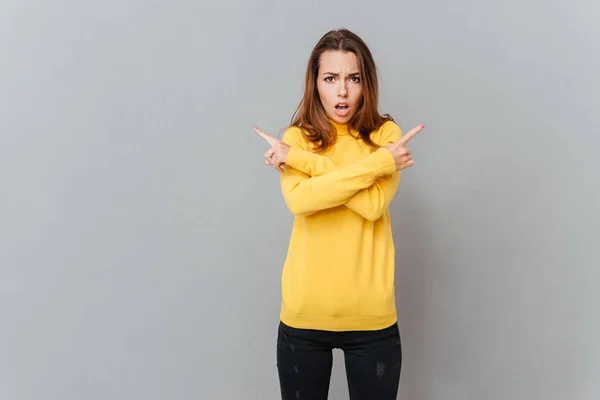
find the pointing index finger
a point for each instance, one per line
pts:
(271, 140)
(411, 134)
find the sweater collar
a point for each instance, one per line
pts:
(342, 129)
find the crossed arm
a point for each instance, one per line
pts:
(312, 182)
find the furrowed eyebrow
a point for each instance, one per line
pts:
(336, 74)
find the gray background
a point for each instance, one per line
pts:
(142, 239)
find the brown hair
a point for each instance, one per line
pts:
(310, 114)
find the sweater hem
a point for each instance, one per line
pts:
(371, 323)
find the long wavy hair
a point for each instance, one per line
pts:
(310, 114)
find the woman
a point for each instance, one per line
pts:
(340, 163)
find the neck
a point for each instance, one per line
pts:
(341, 128)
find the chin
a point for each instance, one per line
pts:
(341, 120)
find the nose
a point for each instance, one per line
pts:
(342, 90)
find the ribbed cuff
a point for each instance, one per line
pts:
(388, 164)
(296, 158)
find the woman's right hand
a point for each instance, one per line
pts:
(402, 154)
(277, 154)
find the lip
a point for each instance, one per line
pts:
(342, 113)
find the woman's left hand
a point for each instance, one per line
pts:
(277, 154)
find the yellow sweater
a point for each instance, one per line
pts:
(339, 270)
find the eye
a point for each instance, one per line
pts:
(328, 79)
(355, 79)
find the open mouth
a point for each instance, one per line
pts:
(342, 109)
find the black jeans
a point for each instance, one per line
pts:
(304, 360)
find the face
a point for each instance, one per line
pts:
(339, 84)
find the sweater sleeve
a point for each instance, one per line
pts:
(370, 202)
(305, 194)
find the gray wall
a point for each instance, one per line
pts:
(142, 239)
